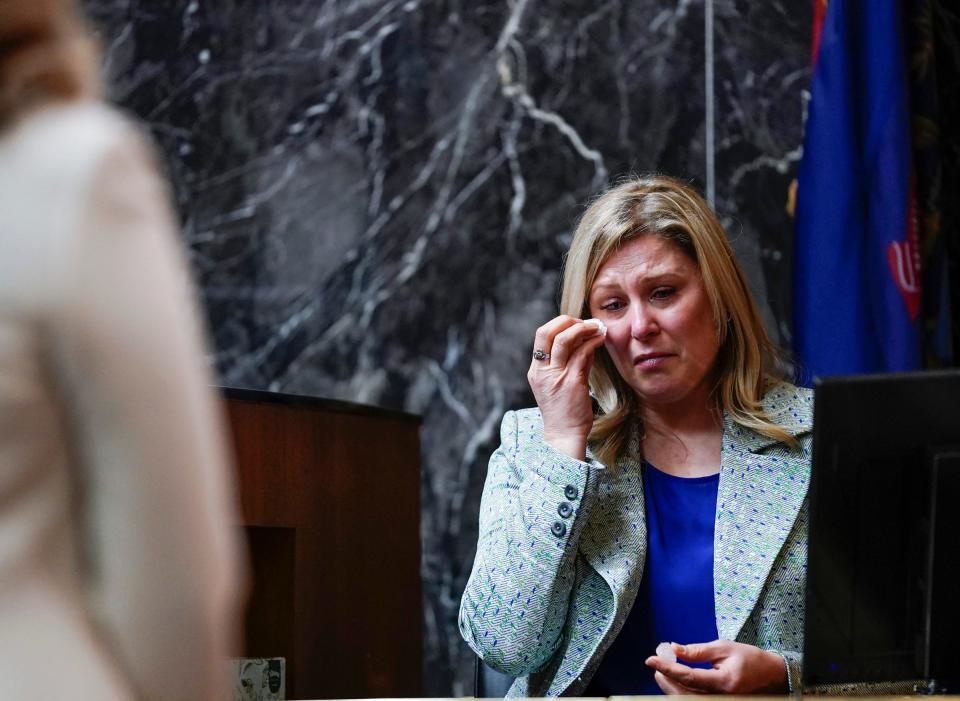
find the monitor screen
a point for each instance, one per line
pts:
(883, 576)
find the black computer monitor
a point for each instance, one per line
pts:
(883, 577)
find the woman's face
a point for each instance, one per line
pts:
(661, 333)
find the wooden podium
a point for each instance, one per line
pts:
(330, 495)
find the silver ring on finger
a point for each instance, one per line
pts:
(540, 354)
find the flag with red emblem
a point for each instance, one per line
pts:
(857, 281)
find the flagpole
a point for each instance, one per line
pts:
(708, 99)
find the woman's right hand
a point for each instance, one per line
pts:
(560, 382)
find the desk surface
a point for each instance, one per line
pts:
(241, 394)
(700, 698)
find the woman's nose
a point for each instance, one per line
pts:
(643, 322)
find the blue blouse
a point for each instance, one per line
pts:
(675, 600)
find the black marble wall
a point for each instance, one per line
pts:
(377, 193)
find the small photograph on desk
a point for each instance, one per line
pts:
(258, 679)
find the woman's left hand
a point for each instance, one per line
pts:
(737, 669)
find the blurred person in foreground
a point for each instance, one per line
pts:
(120, 572)
(657, 494)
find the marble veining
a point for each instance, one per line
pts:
(762, 68)
(376, 194)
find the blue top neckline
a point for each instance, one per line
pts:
(688, 480)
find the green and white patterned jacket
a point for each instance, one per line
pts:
(548, 593)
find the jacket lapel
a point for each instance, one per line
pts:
(613, 542)
(763, 485)
(762, 488)
(615, 538)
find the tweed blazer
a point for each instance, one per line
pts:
(551, 587)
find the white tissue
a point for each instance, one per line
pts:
(665, 652)
(599, 324)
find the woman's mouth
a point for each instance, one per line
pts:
(651, 360)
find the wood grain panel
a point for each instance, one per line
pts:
(337, 488)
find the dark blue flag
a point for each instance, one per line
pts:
(856, 264)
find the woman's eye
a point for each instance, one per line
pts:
(662, 293)
(611, 306)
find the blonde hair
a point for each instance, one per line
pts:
(46, 54)
(748, 363)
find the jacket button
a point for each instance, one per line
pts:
(559, 529)
(564, 509)
(571, 492)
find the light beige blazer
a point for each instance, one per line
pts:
(120, 573)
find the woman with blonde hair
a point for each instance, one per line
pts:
(643, 530)
(120, 572)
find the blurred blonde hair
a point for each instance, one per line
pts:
(46, 54)
(748, 362)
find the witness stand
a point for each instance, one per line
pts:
(330, 496)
